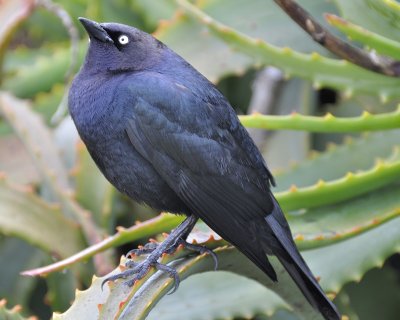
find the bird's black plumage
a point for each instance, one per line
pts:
(164, 135)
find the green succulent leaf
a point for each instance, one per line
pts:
(15, 162)
(123, 302)
(11, 314)
(252, 301)
(154, 11)
(353, 155)
(162, 223)
(370, 39)
(267, 22)
(37, 139)
(383, 306)
(322, 71)
(375, 15)
(50, 69)
(18, 289)
(342, 205)
(334, 264)
(12, 13)
(45, 103)
(310, 227)
(328, 123)
(26, 216)
(98, 199)
(40, 144)
(323, 226)
(352, 257)
(345, 188)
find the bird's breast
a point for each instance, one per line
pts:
(99, 110)
(94, 109)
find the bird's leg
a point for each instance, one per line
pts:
(151, 246)
(175, 238)
(198, 249)
(146, 249)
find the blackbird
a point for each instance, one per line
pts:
(161, 133)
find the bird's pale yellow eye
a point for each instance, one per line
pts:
(123, 39)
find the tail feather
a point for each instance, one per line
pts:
(294, 264)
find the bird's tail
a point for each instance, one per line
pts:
(294, 264)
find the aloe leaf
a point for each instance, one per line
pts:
(351, 156)
(162, 223)
(12, 13)
(297, 144)
(333, 264)
(376, 16)
(87, 175)
(44, 153)
(67, 138)
(15, 162)
(384, 306)
(48, 228)
(343, 303)
(354, 155)
(311, 230)
(37, 139)
(45, 103)
(153, 11)
(123, 302)
(322, 71)
(113, 11)
(26, 216)
(327, 123)
(24, 56)
(11, 314)
(383, 241)
(251, 302)
(61, 287)
(392, 4)
(373, 40)
(347, 187)
(323, 226)
(159, 284)
(258, 18)
(49, 69)
(19, 255)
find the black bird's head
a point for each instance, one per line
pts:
(117, 47)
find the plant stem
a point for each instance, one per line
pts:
(328, 123)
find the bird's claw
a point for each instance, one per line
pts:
(146, 249)
(151, 246)
(133, 268)
(140, 270)
(201, 250)
(172, 274)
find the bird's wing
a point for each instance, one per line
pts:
(199, 153)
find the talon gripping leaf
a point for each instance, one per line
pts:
(164, 135)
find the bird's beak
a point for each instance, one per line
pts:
(95, 30)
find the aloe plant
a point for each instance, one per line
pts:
(342, 201)
(12, 314)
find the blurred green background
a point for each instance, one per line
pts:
(54, 202)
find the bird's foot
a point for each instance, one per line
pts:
(139, 270)
(150, 247)
(155, 251)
